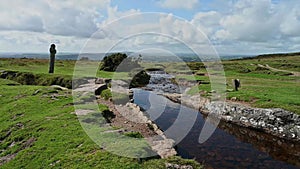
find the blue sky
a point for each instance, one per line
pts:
(226, 26)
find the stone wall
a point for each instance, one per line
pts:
(275, 121)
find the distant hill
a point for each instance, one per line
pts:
(273, 55)
(152, 57)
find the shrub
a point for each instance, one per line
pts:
(140, 79)
(119, 62)
(106, 94)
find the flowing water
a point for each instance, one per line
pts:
(161, 82)
(230, 146)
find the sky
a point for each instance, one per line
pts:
(232, 27)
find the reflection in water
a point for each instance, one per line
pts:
(230, 146)
(279, 149)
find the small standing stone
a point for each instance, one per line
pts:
(236, 84)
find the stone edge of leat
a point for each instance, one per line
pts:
(275, 121)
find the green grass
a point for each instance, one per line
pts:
(134, 134)
(37, 124)
(62, 68)
(266, 88)
(262, 87)
(37, 65)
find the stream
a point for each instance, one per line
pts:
(230, 146)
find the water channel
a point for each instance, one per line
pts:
(230, 146)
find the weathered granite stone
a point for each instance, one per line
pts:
(276, 121)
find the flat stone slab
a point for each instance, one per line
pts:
(81, 112)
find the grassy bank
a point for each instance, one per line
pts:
(39, 130)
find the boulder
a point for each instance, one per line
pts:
(99, 81)
(102, 81)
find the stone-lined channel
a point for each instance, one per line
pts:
(230, 146)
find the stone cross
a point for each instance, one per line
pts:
(52, 51)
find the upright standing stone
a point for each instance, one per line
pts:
(52, 51)
(236, 84)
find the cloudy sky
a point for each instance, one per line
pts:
(229, 26)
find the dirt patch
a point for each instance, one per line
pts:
(239, 102)
(267, 67)
(25, 144)
(7, 158)
(29, 142)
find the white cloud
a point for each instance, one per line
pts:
(251, 20)
(239, 25)
(260, 21)
(90, 5)
(114, 27)
(74, 18)
(140, 31)
(180, 29)
(179, 4)
(252, 26)
(207, 22)
(67, 18)
(290, 24)
(18, 41)
(70, 22)
(15, 15)
(113, 13)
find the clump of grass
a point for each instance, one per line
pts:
(134, 134)
(106, 94)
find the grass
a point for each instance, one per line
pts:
(37, 125)
(39, 128)
(66, 68)
(134, 134)
(36, 65)
(266, 88)
(260, 87)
